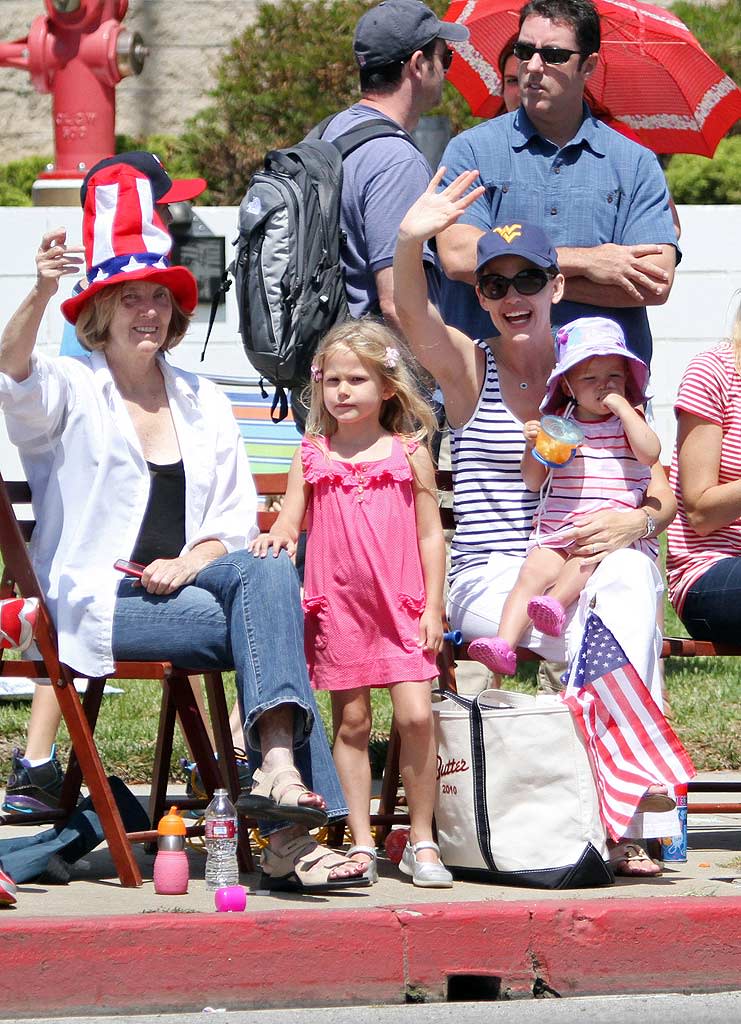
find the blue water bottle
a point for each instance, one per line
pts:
(674, 848)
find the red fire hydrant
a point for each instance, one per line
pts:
(79, 51)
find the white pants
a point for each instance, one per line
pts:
(624, 590)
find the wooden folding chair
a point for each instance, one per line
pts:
(19, 578)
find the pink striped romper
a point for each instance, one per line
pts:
(605, 474)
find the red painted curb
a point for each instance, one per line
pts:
(599, 947)
(154, 963)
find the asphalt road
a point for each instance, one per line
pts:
(718, 1008)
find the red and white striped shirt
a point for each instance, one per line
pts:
(710, 389)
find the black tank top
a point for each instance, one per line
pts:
(162, 532)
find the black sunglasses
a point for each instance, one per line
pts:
(548, 54)
(447, 57)
(527, 282)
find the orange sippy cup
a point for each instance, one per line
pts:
(557, 441)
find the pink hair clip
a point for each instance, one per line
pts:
(316, 372)
(392, 358)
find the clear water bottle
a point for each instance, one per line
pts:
(221, 842)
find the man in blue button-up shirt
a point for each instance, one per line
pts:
(601, 198)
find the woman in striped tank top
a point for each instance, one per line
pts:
(602, 384)
(491, 388)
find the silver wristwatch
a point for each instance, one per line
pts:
(650, 524)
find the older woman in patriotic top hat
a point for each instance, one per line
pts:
(131, 458)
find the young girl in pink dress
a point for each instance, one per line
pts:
(375, 567)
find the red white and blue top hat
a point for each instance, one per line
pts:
(125, 240)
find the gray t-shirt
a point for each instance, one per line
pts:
(381, 180)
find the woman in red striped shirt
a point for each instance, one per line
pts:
(703, 567)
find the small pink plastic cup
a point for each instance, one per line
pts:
(230, 899)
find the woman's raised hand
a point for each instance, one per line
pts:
(434, 211)
(54, 259)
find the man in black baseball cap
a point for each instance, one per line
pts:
(396, 28)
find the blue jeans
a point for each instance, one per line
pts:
(244, 613)
(712, 608)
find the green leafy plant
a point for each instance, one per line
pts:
(281, 76)
(17, 178)
(718, 28)
(695, 179)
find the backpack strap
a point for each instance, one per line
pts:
(366, 131)
(358, 135)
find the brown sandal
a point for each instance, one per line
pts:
(269, 798)
(305, 866)
(659, 802)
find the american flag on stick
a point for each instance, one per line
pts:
(631, 744)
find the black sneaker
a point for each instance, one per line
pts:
(33, 789)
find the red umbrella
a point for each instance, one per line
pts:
(652, 75)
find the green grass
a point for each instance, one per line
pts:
(704, 693)
(127, 729)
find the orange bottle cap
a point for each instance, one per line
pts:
(171, 824)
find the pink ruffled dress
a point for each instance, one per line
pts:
(363, 586)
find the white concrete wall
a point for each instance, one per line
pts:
(698, 313)
(701, 307)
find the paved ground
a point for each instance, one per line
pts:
(713, 869)
(719, 1008)
(100, 948)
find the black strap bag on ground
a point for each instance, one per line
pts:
(290, 287)
(516, 801)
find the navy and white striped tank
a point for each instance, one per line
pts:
(493, 508)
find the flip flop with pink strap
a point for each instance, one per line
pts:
(547, 614)
(275, 795)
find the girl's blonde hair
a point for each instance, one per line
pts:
(96, 316)
(406, 413)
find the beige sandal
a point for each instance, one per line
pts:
(622, 856)
(274, 796)
(305, 866)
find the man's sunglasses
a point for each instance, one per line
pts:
(446, 58)
(548, 54)
(526, 282)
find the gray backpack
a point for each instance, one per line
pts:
(290, 287)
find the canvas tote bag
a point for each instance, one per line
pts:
(516, 800)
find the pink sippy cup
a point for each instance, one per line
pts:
(171, 862)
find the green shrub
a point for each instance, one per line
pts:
(17, 178)
(718, 29)
(282, 75)
(695, 179)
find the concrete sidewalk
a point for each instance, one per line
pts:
(93, 946)
(713, 869)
